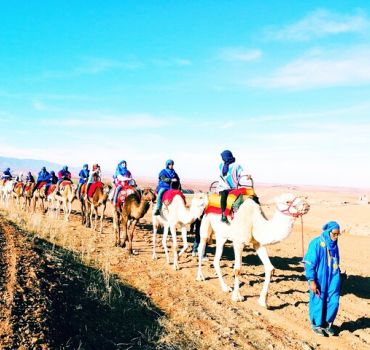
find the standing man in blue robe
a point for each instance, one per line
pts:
(323, 275)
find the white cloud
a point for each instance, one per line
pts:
(239, 54)
(337, 68)
(321, 23)
(93, 66)
(102, 120)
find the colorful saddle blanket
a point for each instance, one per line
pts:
(169, 195)
(214, 200)
(51, 189)
(18, 185)
(93, 188)
(124, 193)
(41, 185)
(65, 183)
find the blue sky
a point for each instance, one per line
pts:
(284, 85)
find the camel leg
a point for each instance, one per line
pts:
(154, 256)
(220, 242)
(115, 227)
(184, 235)
(204, 231)
(131, 236)
(238, 250)
(102, 218)
(164, 242)
(201, 250)
(124, 230)
(269, 268)
(174, 247)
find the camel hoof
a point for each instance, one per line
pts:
(154, 257)
(226, 289)
(200, 278)
(134, 252)
(176, 267)
(237, 297)
(262, 303)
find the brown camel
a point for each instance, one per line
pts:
(28, 194)
(97, 200)
(18, 193)
(133, 209)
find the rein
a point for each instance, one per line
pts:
(295, 215)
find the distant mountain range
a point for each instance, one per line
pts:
(17, 165)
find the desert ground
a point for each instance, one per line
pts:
(64, 286)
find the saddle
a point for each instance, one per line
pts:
(235, 199)
(65, 183)
(41, 185)
(123, 193)
(50, 190)
(93, 188)
(169, 195)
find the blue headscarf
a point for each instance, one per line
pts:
(171, 172)
(65, 168)
(86, 166)
(228, 159)
(122, 169)
(332, 245)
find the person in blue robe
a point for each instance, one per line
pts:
(324, 279)
(167, 179)
(7, 175)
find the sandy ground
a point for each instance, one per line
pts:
(199, 315)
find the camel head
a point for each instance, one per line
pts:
(198, 203)
(148, 194)
(292, 205)
(107, 189)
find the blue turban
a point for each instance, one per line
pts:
(228, 159)
(169, 162)
(332, 245)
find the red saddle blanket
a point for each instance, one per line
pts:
(18, 185)
(51, 189)
(41, 184)
(123, 193)
(169, 195)
(214, 200)
(93, 188)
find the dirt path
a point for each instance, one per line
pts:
(199, 315)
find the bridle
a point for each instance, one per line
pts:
(289, 213)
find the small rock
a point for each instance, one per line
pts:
(270, 347)
(256, 313)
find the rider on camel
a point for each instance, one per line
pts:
(29, 178)
(6, 174)
(43, 176)
(95, 176)
(63, 175)
(168, 179)
(230, 173)
(121, 178)
(84, 176)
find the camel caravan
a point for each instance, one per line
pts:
(229, 211)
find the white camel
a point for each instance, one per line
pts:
(175, 214)
(6, 190)
(67, 196)
(250, 226)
